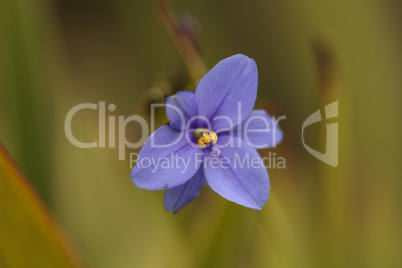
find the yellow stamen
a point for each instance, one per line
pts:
(213, 136)
(201, 144)
(207, 138)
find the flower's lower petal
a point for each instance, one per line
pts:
(179, 196)
(239, 175)
(259, 130)
(180, 108)
(165, 161)
(232, 81)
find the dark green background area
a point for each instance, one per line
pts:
(57, 54)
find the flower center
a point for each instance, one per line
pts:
(204, 136)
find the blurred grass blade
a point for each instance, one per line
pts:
(182, 41)
(28, 235)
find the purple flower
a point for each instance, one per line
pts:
(211, 139)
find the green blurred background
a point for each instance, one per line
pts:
(57, 54)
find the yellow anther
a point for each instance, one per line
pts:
(207, 138)
(214, 137)
(201, 144)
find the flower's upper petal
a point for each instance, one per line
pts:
(179, 196)
(240, 176)
(171, 164)
(180, 108)
(259, 130)
(233, 80)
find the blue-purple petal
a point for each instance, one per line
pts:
(167, 167)
(233, 80)
(259, 130)
(180, 108)
(243, 179)
(179, 196)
